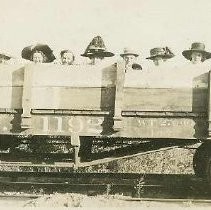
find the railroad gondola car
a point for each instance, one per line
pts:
(82, 103)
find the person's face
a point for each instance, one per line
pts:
(67, 58)
(38, 57)
(96, 60)
(3, 60)
(196, 57)
(129, 59)
(157, 61)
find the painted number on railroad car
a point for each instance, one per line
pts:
(70, 124)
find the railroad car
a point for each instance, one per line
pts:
(86, 103)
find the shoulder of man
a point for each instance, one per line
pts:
(137, 66)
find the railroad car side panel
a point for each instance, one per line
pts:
(168, 99)
(180, 108)
(102, 125)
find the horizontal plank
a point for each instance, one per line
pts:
(133, 127)
(103, 76)
(103, 113)
(76, 76)
(69, 112)
(168, 78)
(96, 125)
(163, 114)
(10, 111)
(80, 77)
(73, 98)
(135, 99)
(177, 99)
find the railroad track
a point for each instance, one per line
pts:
(174, 200)
(18, 196)
(135, 185)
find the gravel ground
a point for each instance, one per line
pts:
(173, 161)
(69, 200)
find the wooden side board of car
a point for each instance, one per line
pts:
(100, 98)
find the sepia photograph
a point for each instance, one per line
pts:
(105, 104)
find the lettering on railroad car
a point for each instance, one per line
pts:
(75, 125)
(71, 124)
(156, 122)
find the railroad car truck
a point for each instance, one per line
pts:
(167, 107)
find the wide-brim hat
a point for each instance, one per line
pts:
(96, 48)
(128, 51)
(98, 53)
(45, 49)
(197, 47)
(164, 53)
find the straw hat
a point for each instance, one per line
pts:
(128, 51)
(197, 47)
(164, 53)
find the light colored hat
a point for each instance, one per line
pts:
(128, 51)
(197, 47)
(164, 53)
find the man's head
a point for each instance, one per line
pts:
(129, 57)
(67, 57)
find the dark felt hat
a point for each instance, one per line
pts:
(45, 49)
(196, 47)
(164, 53)
(96, 48)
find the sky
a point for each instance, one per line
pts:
(138, 24)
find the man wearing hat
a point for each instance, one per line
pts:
(159, 55)
(96, 51)
(197, 53)
(129, 57)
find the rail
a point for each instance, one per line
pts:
(151, 187)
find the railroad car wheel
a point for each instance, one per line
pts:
(201, 160)
(208, 171)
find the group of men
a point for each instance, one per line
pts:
(96, 52)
